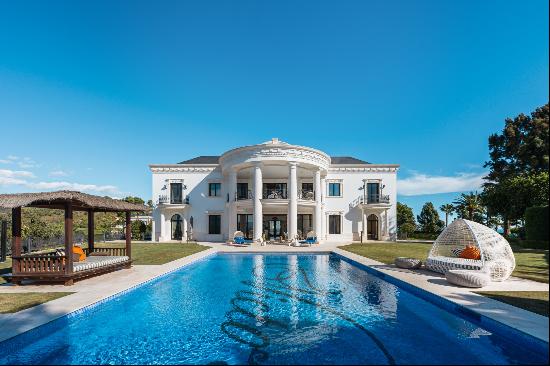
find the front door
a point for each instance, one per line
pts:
(372, 227)
(274, 228)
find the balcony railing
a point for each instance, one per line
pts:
(274, 194)
(304, 194)
(244, 196)
(371, 199)
(166, 200)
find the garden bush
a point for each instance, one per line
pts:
(536, 223)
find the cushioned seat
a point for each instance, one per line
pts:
(92, 262)
(442, 264)
(466, 278)
(408, 263)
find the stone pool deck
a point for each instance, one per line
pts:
(92, 290)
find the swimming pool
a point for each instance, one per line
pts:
(267, 309)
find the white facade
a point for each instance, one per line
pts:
(274, 190)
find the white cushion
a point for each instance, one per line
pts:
(466, 278)
(92, 262)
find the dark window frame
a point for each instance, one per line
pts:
(214, 189)
(335, 224)
(214, 224)
(331, 190)
(173, 198)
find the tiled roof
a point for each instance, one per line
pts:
(336, 160)
(203, 159)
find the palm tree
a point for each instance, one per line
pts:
(448, 209)
(469, 203)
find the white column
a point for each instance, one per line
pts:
(184, 228)
(363, 215)
(318, 205)
(323, 216)
(232, 207)
(293, 202)
(258, 214)
(153, 232)
(162, 226)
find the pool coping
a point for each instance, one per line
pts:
(520, 320)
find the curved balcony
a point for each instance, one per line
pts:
(274, 194)
(306, 195)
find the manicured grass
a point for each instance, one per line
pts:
(531, 264)
(5, 267)
(12, 303)
(535, 301)
(159, 253)
(386, 252)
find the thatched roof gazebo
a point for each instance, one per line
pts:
(55, 267)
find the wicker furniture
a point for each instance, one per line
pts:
(467, 278)
(496, 256)
(408, 263)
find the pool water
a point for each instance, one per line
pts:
(266, 309)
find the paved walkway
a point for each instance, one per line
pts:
(95, 289)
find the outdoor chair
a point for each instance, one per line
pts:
(469, 245)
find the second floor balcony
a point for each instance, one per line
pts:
(371, 199)
(165, 199)
(274, 194)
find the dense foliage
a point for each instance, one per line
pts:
(428, 220)
(406, 224)
(536, 223)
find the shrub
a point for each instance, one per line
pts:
(536, 223)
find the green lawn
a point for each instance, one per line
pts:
(531, 264)
(12, 303)
(5, 267)
(535, 301)
(159, 253)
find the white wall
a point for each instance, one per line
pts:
(201, 204)
(352, 184)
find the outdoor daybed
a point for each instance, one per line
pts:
(469, 245)
(58, 266)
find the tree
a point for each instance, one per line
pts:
(448, 209)
(428, 219)
(469, 206)
(406, 224)
(521, 148)
(512, 196)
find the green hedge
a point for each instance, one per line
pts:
(536, 223)
(529, 244)
(423, 236)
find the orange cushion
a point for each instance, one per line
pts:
(470, 252)
(78, 250)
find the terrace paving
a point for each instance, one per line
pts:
(92, 290)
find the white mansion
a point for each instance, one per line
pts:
(274, 190)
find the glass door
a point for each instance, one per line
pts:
(372, 192)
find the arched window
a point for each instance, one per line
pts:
(372, 227)
(177, 232)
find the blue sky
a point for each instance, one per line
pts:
(91, 92)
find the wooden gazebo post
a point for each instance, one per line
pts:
(128, 235)
(68, 242)
(16, 238)
(91, 230)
